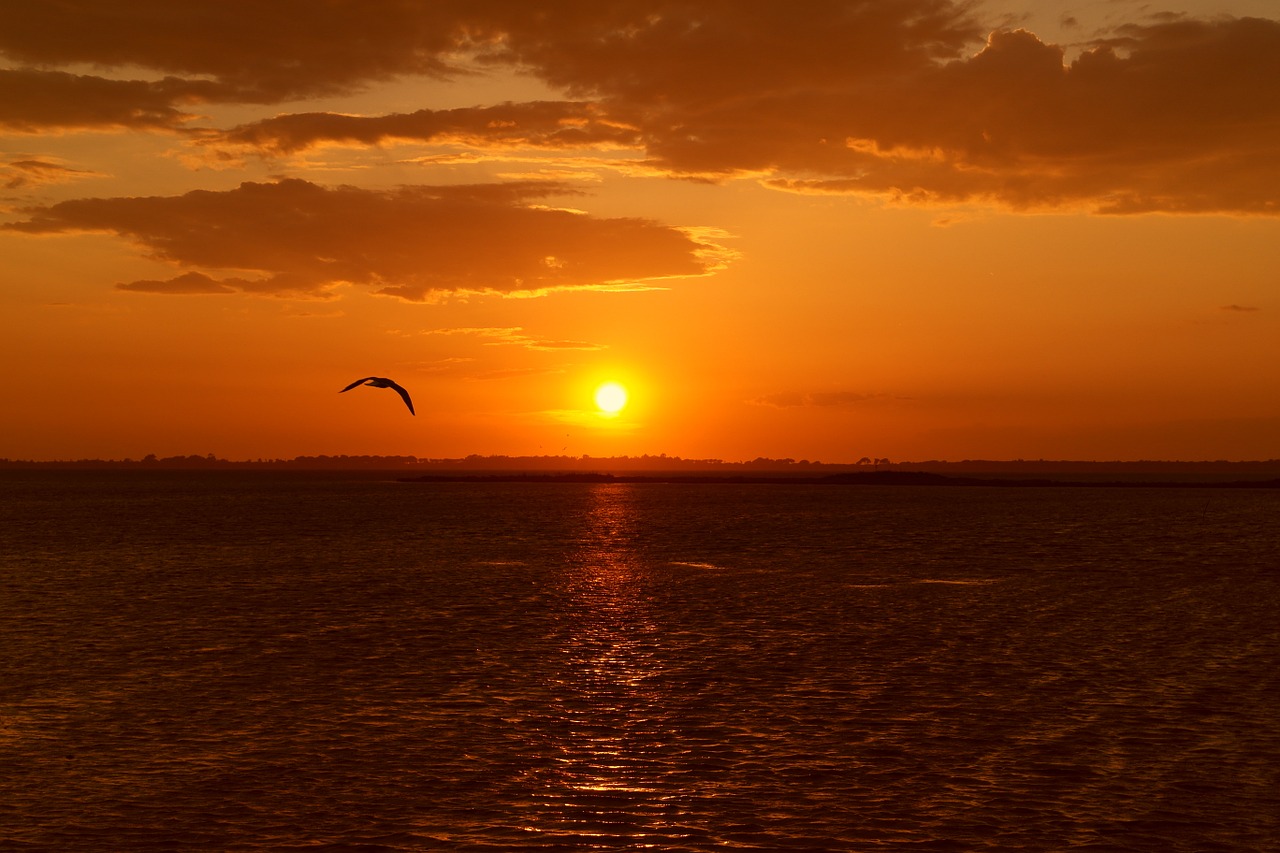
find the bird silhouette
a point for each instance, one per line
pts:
(381, 382)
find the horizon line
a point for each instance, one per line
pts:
(647, 461)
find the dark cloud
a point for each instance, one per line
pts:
(298, 238)
(1181, 116)
(685, 54)
(247, 51)
(538, 124)
(1177, 118)
(32, 101)
(897, 99)
(188, 283)
(684, 57)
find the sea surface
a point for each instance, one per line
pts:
(253, 661)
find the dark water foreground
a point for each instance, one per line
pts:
(253, 661)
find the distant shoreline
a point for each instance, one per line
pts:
(869, 478)
(663, 465)
(669, 469)
(883, 477)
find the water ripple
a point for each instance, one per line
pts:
(242, 666)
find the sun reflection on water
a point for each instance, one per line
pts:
(610, 737)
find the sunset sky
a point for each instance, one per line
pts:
(912, 229)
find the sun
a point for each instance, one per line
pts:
(611, 398)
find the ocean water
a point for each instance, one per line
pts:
(251, 661)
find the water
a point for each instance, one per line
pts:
(325, 662)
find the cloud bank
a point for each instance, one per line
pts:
(911, 101)
(296, 238)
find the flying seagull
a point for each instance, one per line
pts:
(380, 382)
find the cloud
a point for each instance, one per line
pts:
(684, 54)
(241, 50)
(515, 373)
(698, 55)
(1247, 309)
(187, 283)
(470, 369)
(21, 174)
(895, 99)
(538, 124)
(298, 238)
(35, 101)
(516, 336)
(1177, 118)
(444, 366)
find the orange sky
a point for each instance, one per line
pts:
(912, 229)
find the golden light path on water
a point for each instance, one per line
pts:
(614, 744)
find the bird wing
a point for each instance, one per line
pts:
(357, 382)
(403, 393)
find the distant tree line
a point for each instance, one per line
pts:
(661, 463)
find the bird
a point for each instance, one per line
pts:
(382, 382)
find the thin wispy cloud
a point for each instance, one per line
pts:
(823, 399)
(449, 366)
(474, 369)
(515, 373)
(186, 284)
(31, 173)
(554, 125)
(516, 336)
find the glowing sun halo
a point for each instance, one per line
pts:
(611, 398)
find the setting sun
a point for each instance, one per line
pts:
(611, 398)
